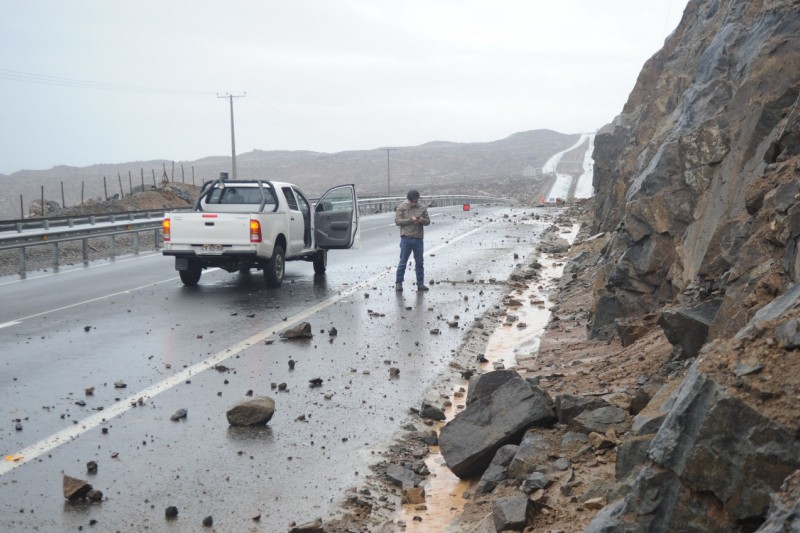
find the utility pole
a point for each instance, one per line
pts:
(388, 172)
(230, 98)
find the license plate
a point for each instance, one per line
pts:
(212, 249)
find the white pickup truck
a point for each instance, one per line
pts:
(238, 225)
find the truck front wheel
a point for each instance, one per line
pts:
(274, 268)
(191, 276)
(320, 261)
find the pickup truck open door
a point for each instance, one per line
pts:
(336, 218)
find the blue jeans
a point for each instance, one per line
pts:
(408, 245)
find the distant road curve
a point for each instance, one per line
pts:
(565, 183)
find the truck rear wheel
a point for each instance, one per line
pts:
(320, 261)
(274, 268)
(191, 276)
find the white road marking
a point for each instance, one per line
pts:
(70, 306)
(105, 296)
(29, 453)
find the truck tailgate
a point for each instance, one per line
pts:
(199, 228)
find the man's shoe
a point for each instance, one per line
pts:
(422, 288)
(398, 287)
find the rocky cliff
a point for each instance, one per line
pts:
(697, 177)
(698, 191)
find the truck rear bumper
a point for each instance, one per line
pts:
(229, 261)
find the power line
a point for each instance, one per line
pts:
(44, 79)
(275, 115)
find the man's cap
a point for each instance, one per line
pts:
(412, 195)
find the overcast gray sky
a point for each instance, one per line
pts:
(86, 82)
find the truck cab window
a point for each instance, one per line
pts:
(287, 192)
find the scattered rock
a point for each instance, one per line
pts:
(413, 495)
(598, 420)
(300, 331)
(75, 489)
(315, 526)
(431, 412)
(403, 477)
(512, 513)
(179, 414)
(687, 329)
(594, 504)
(534, 482)
(255, 412)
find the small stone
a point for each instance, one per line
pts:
(208, 521)
(171, 511)
(594, 504)
(413, 495)
(742, 369)
(316, 382)
(94, 495)
(75, 489)
(120, 385)
(177, 415)
(315, 526)
(91, 467)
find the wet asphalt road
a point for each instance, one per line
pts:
(162, 340)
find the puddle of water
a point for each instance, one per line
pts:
(443, 490)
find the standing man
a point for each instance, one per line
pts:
(411, 216)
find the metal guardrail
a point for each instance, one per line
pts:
(70, 221)
(59, 230)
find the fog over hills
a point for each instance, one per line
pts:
(510, 166)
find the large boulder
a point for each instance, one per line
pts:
(713, 464)
(469, 441)
(485, 384)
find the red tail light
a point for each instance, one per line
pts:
(166, 225)
(255, 231)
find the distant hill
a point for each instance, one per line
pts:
(503, 167)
